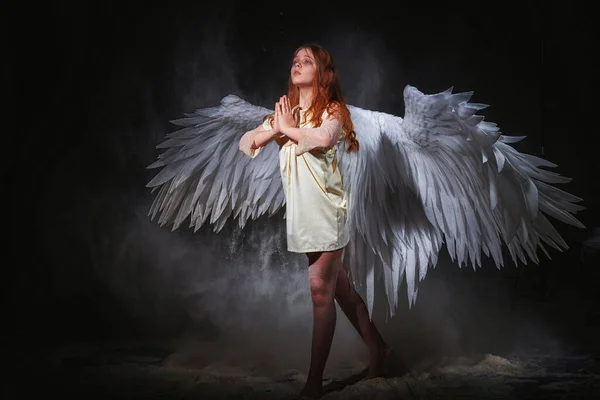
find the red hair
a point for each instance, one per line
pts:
(327, 95)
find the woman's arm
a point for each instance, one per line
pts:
(256, 139)
(325, 136)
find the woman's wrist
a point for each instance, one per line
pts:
(276, 133)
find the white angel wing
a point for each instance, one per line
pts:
(442, 174)
(206, 177)
(389, 231)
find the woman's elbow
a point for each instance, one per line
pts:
(326, 143)
(246, 143)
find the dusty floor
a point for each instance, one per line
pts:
(131, 371)
(542, 368)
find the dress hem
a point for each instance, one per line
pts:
(314, 250)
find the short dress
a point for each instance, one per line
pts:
(316, 202)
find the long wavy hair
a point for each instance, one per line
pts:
(327, 95)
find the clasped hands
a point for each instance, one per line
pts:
(284, 117)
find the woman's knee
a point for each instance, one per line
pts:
(322, 276)
(321, 290)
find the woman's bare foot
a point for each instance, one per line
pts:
(309, 392)
(377, 367)
(313, 388)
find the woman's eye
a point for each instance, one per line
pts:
(304, 62)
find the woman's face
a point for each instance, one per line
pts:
(304, 68)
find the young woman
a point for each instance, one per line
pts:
(307, 124)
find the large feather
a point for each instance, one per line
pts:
(205, 177)
(441, 175)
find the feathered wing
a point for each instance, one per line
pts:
(206, 177)
(389, 231)
(442, 175)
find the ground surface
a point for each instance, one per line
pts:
(133, 371)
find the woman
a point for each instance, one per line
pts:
(307, 125)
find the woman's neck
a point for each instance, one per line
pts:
(305, 97)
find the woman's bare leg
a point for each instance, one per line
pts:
(356, 311)
(322, 276)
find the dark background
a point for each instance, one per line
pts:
(93, 86)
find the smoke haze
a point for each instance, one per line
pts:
(111, 272)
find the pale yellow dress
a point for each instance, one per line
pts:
(316, 203)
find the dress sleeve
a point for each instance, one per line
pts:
(325, 136)
(247, 141)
